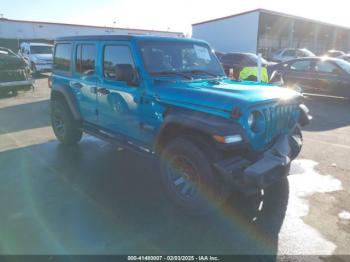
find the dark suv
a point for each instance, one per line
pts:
(169, 98)
(14, 73)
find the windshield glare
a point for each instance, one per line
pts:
(41, 49)
(344, 65)
(193, 59)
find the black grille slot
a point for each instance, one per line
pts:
(279, 119)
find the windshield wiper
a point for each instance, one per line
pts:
(196, 71)
(171, 73)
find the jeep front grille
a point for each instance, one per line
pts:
(279, 119)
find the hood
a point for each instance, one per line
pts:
(8, 62)
(220, 97)
(46, 57)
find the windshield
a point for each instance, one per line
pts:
(182, 59)
(307, 52)
(254, 59)
(36, 49)
(344, 65)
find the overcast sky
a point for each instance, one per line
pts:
(176, 15)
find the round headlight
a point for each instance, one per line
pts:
(251, 120)
(256, 121)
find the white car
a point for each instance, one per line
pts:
(287, 54)
(38, 56)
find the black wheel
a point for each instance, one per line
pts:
(188, 176)
(63, 124)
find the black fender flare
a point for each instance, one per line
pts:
(200, 122)
(66, 93)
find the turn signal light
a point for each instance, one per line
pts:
(228, 139)
(236, 113)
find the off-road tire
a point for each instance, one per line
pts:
(63, 124)
(209, 189)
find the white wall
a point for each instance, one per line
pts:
(234, 34)
(21, 30)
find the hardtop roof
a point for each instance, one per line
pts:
(125, 38)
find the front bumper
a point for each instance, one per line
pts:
(22, 83)
(251, 176)
(43, 67)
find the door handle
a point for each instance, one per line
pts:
(103, 91)
(76, 85)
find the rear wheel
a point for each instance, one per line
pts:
(63, 123)
(188, 176)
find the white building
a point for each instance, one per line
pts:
(264, 31)
(12, 32)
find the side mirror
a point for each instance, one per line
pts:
(277, 78)
(127, 73)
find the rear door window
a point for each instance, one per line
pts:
(303, 65)
(62, 57)
(85, 59)
(326, 67)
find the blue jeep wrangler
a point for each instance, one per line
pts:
(169, 98)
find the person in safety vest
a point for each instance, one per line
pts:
(251, 74)
(243, 66)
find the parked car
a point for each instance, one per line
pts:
(345, 57)
(237, 61)
(38, 56)
(334, 53)
(14, 73)
(169, 99)
(286, 54)
(330, 76)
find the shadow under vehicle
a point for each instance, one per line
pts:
(14, 73)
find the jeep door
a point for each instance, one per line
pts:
(117, 99)
(84, 79)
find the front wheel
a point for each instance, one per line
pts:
(189, 178)
(63, 123)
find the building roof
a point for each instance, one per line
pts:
(92, 26)
(266, 11)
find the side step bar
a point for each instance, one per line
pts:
(117, 140)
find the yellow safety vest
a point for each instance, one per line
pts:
(253, 71)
